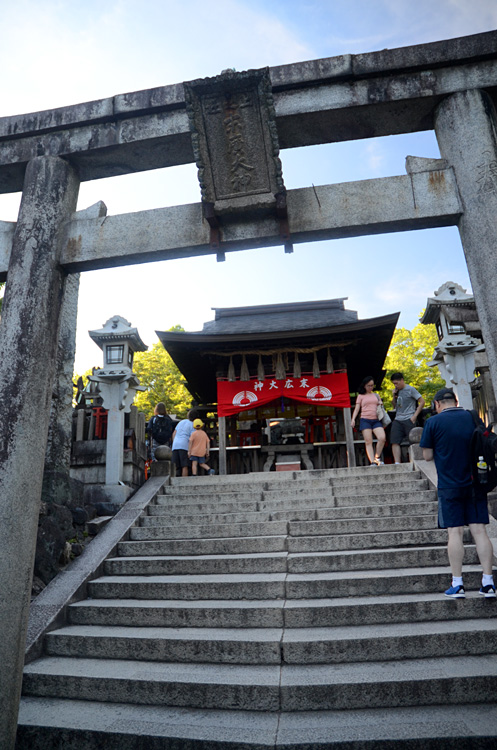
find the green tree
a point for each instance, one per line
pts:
(409, 353)
(163, 381)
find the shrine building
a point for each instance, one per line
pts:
(273, 382)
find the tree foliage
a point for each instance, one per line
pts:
(163, 381)
(409, 353)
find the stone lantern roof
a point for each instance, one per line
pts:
(449, 294)
(118, 329)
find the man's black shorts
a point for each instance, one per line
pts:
(399, 430)
(180, 458)
(461, 506)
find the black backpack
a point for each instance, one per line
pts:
(162, 428)
(483, 443)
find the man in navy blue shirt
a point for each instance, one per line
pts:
(447, 439)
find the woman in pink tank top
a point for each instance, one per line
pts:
(367, 402)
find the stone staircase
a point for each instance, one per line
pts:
(285, 610)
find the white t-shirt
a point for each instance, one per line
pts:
(183, 431)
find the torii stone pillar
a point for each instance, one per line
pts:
(28, 352)
(56, 478)
(465, 125)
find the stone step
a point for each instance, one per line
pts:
(161, 515)
(209, 531)
(226, 686)
(325, 645)
(271, 562)
(408, 485)
(277, 613)
(290, 502)
(189, 645)
(393, 608)
(227, 586)
(275, 480)
(178, 613)
(376, 582)
(410, 682)
(211, 497)
(367, 560)
(296, 514)
(361, 525)
(280, 491)
(312, 562)
(403, 496)
(279, 585)
(388, 642)
(383, 539)
(164, 530)
(194, 504)
(87, 725)
(241, 545)
(375, 475)
(226, 545)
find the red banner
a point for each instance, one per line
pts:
(240, 395)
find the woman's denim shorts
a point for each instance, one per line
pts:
(369, 424)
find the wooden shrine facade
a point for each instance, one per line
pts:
(254, 348)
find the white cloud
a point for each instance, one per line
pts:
(398, 23)
(375, 156)
(400, 292)
(58, 53)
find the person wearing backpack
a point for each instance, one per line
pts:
(447, 438)
(160, 428)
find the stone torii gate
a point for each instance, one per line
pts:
(450, 86)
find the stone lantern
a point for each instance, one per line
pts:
(450, 309)
(117, 385)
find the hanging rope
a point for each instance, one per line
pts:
(297, 372)
(316, 372)
(329, 362)
(231, 370)
(260, 369)
(282, 350)
(244, 370)
(280, 372)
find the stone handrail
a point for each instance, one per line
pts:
(48, 610)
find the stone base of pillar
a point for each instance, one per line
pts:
(160, 468)
(112, 493)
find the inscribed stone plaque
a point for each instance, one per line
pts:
(235, 140)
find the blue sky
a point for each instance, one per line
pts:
(61, 52)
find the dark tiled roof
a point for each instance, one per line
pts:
(284, 317)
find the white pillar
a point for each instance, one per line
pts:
(221, 428)
(114, 458)
(349, 436)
